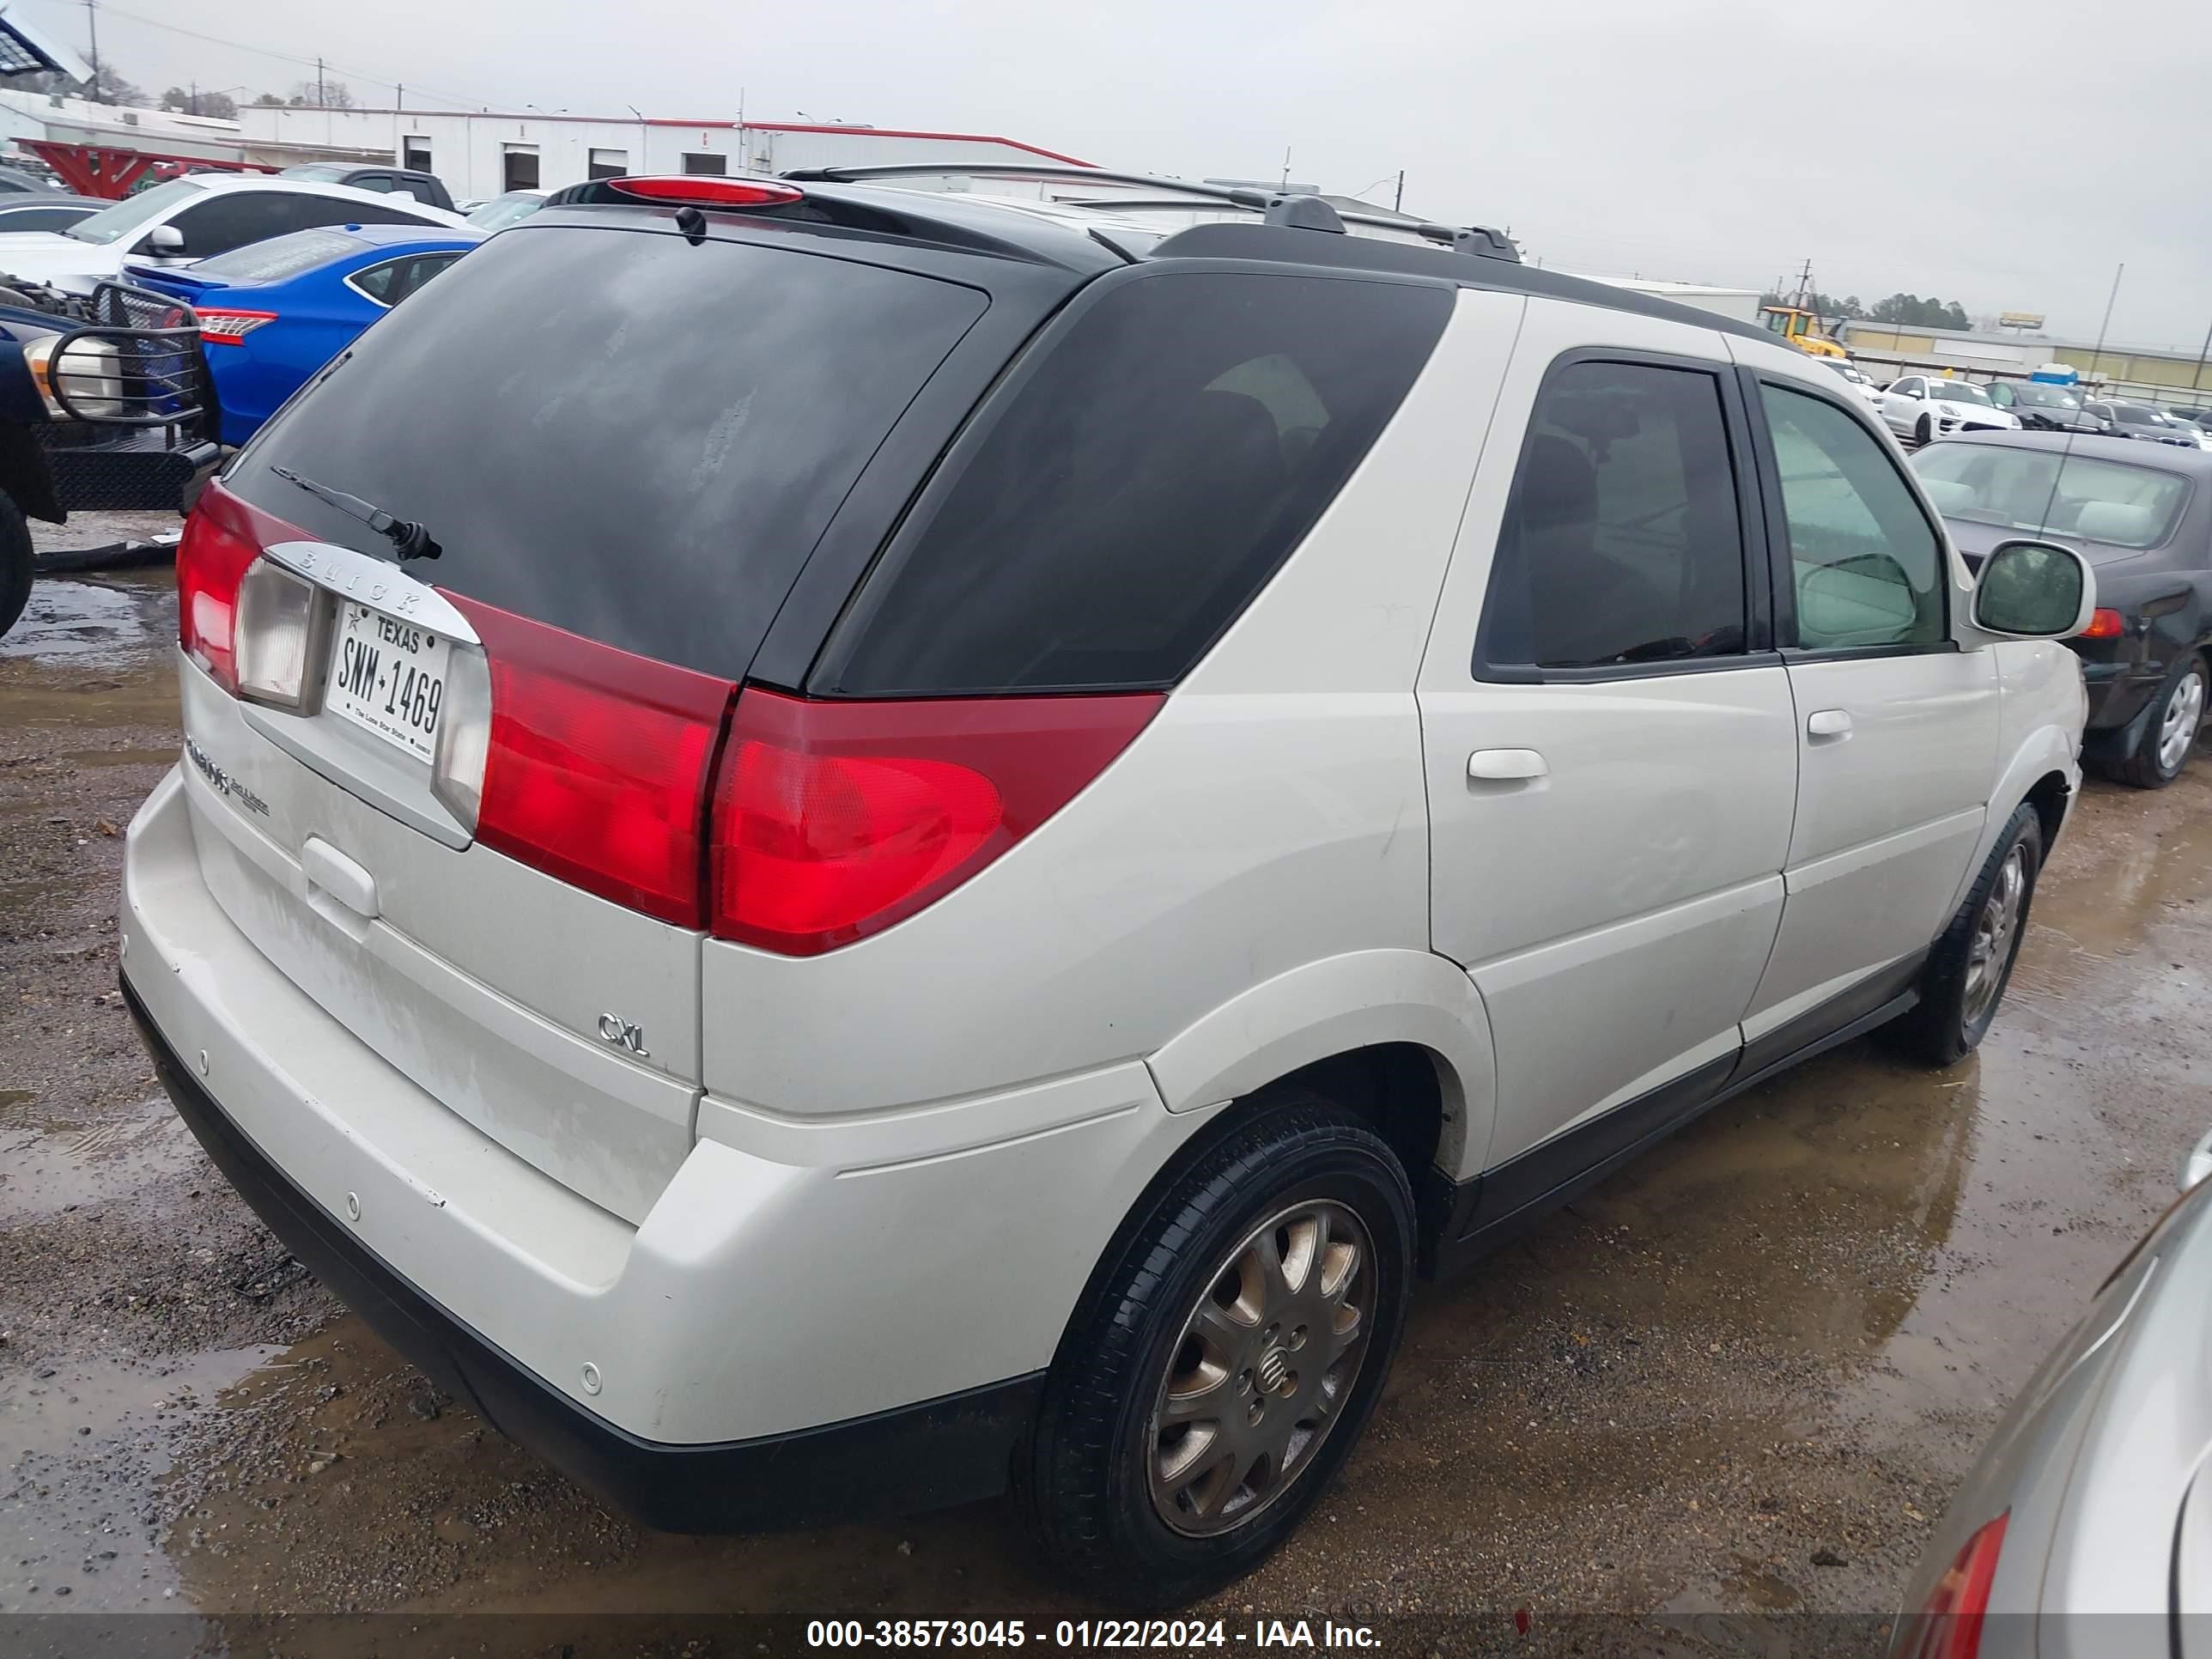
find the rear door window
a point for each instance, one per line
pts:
(1622, 545)
(1136, 482)
(615, 432)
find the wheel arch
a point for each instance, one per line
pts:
(2043, 773)
(1398, 1034)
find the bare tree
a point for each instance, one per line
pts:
(321, 94)
(219, 105)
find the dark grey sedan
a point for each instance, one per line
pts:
(2085, 1531)
(49, 209)
(2142, 421)
(2043, 407)
(2142, 514)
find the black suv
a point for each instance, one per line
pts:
(425, 187)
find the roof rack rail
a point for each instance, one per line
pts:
(1279, 207)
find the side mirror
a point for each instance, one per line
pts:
(2034, 591)
(165, 242)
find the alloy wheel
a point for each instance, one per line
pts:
(1263, 1368)
(2178, 726)
(1994, 930)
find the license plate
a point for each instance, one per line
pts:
(389, 676)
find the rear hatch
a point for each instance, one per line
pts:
(459, 798)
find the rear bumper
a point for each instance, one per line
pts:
(813, 1320)
(941, 1452)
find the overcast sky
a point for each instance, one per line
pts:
(2006, 153)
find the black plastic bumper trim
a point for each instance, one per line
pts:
(951, 1450)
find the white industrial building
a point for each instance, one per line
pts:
(480, 154)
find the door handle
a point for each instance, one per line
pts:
(1505, 765)
(1828, 723)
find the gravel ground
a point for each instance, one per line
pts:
(1737, 1381)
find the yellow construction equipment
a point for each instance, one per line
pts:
(1802, 329)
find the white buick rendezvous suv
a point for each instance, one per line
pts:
(841, 849)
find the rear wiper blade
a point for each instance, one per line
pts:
(411, 538)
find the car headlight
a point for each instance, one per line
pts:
(89, 373)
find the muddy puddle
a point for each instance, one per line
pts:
(94, 652)
(1740, 1377)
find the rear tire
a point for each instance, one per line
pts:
(1224, 1359)
(1964, 983)
(15, 563)
(2161, 752)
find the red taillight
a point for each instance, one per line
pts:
(222, 538)
(231, 327)
(1950, 1623)
(2105, 625)
(708, 191)
(834, 820)
(596, 765)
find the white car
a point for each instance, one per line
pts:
(192, 218)
(963, 868)
(1865, 387)
(1924, 408)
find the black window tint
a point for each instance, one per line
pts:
(1868, 568)
(1622, 542)
(416, 272)
(1125, 500)
(308, 212)
(376, 282)
(233, 218)
(617, 432)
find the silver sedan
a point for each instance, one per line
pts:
(2085, 1531)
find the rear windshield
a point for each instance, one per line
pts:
(617, 432)
(2100, 500)
(1134, 486)
(278, 258)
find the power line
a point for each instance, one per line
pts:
(287, 58)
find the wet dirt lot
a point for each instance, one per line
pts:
(1740, 1377)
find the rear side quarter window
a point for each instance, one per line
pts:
(1135, 484)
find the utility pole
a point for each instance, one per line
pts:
(319, 94)
(2196, 380)
(400, 101)
(92, 28)
(1397, 202)
(193, 98)
(1286, 161)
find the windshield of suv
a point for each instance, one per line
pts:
(615, 432)
(133, 214)
(1957, 391)
(502, 211)
(2109, 501)
(2043, 396)
(2139, 415)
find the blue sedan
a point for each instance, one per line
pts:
(274, 313)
